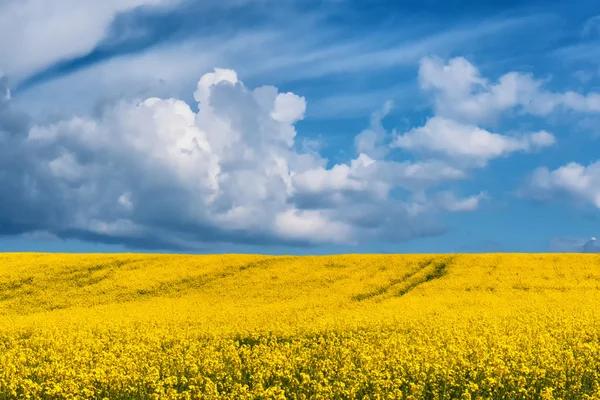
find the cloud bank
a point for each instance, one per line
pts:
(156, 173)
(230, 168)
(463, 99)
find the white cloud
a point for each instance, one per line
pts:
(159, 172)
(538, 140)
(464, 99)
(372, 52)
(289, 108)
(313, 226)
(50, 31)
(339, 177)
(448, 201)
(208, 80)
(373, 140)
(156, 172)
(461, 93)
(169, 68)
(573, 180)
(468, 143)
(367, 180)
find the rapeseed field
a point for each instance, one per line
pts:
(130, 326)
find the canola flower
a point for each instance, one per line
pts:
(130, 326)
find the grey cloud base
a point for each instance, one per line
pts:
(157, 175)
(160, 174)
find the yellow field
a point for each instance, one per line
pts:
(330, 327)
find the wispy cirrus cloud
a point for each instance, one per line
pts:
(48, 32)
(341, 74)
(150, 26)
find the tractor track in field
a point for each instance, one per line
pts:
(428, 270)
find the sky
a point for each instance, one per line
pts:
(299, 126)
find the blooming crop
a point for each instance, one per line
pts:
(330, 327)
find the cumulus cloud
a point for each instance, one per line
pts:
(460, 92)
(468, 142)
(573, 180)
(230, 168)
(367, 180)
(464, 101)
(226, 166)
(313, 225)
(157, 173)
(448, 201)
(373, 140)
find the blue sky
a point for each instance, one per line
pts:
(301, 127)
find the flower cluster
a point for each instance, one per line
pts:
(332, 327)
